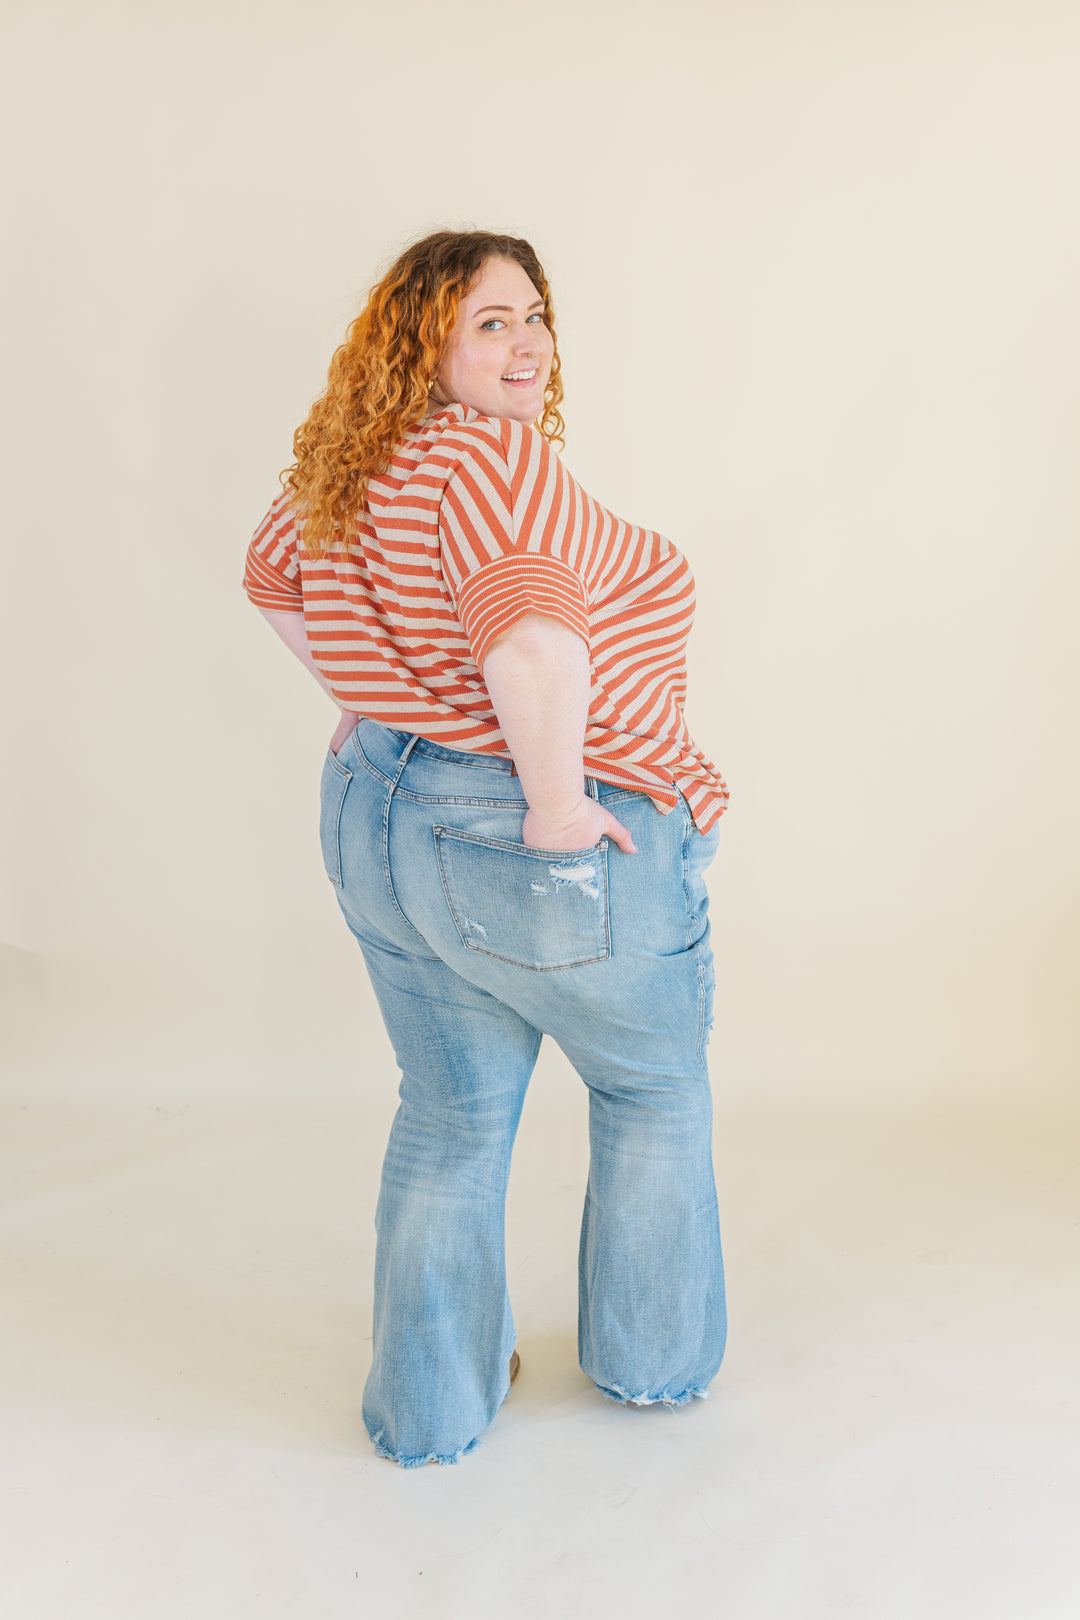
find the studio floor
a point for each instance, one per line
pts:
(186, 1329)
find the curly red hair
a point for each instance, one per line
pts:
(379, 377)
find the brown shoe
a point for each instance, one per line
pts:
(515, 1365)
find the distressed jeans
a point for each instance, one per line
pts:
(477, 946)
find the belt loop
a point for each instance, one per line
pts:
(592, 787)
(404, 759)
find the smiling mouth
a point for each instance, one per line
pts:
(520, 376)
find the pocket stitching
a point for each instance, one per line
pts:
(518, 849)
(332, 834)
(600, 848)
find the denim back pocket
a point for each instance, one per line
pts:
(335, 782)
(540, 909)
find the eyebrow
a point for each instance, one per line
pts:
(508, 309)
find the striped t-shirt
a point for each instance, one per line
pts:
(475, 523)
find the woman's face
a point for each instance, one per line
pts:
(498, 357)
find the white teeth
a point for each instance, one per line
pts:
(519, 376)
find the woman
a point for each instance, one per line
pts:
(516, 822)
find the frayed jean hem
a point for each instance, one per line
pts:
(383, 1450)
(624, 1397)
(403, 1461)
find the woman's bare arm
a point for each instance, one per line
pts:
(538, 677)
(293, 632)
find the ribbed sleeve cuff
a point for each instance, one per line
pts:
(503, 591)
(266, 588)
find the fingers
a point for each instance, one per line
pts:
(580, 831)
(594, 823)
(620, 835)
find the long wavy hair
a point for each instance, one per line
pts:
(379, 377)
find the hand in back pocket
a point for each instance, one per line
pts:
(544, 909)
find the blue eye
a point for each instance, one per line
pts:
(489, 326)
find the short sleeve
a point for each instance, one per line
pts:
(509, 534)
(272, 571)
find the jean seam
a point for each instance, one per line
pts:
(344, 776)
(478, 763)
(687, 829)
(402, 762)
(517, 849)
(436, 798)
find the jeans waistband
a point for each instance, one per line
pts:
(434, 750)
(399, 741)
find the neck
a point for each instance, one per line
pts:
(435, 404)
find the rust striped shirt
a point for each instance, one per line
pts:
(476, 522)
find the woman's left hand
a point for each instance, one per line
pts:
(344, 730)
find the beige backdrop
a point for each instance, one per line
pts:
(815, 273)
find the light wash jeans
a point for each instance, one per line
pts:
(476, 946)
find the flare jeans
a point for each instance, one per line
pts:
(477, 946)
